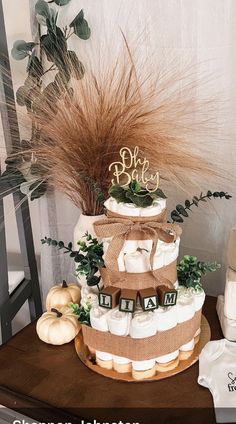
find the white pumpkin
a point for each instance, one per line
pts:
(62, 295)
(58, 327)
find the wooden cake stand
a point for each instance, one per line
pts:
(90, 361)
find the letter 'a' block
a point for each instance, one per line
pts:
(109, 297)
(166, 296)
(128, 300)
(148, 299)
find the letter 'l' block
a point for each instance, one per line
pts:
(148, 299)
(128, 300)
(109, 297)
(166, 296)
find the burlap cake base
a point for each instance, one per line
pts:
(162, 343)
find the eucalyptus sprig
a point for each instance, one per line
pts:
(89, 256)
(135, 193)
(82, 312)
(190, 270)
(182, 210)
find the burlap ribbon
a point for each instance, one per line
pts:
(161, 217)
(121, 229)
(162, 343)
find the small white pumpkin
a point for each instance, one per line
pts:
(58, 327)
(62, 295)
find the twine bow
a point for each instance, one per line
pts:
(120, 229)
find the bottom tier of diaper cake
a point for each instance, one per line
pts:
(144, 343)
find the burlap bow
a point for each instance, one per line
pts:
(120, 229)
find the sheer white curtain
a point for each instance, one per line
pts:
(201, 30)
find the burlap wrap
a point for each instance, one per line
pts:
(121, 229)
(162, 343)
(138, 281)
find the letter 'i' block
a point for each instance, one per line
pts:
(128, 300)
(148, 299)
(166, 296)
(109, 297)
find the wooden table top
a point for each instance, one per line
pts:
(37, 379)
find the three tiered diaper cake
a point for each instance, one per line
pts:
(142, 321)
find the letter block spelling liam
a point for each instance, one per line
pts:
(148, 299)
(128, 300)
(166, 296)
(109, 297)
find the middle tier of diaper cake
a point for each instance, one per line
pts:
(142, 321)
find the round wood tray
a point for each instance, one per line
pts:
(90, 361)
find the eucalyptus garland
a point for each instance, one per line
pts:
(182, 211)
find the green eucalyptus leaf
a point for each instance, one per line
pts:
(159, 193)
(43, 12)
(134, 186)
(61, 2)
(176, 216)
(187, 204)
(181, 210)
(21, 49)
(81, 27)
(21, 94)
(118, 193)
(140, 201)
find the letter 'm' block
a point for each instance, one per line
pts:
(148, 299)
(166, 296)
(109, 297)
(128, 300)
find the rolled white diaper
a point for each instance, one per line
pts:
(98, 318)
(130, 246)
(159, 259)
(137, 262)
(104, 356)
(168, 357)
(119, 322)
(143, 365)
(185, 305)
(165, 318)
(198, 298)
(145, 244)
(111, 204)
(121, 360)
(143, 325)
(128, 209)
(155, 209)
(187, 346)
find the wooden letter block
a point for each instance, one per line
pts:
(109, 297)
(166, 296)
(148, 299)
(128, 300)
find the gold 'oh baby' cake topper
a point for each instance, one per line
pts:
(131, 167)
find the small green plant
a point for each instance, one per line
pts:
(190, 271)
(89, 256)
(134, 193)
(181, 212)
(82, 312)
